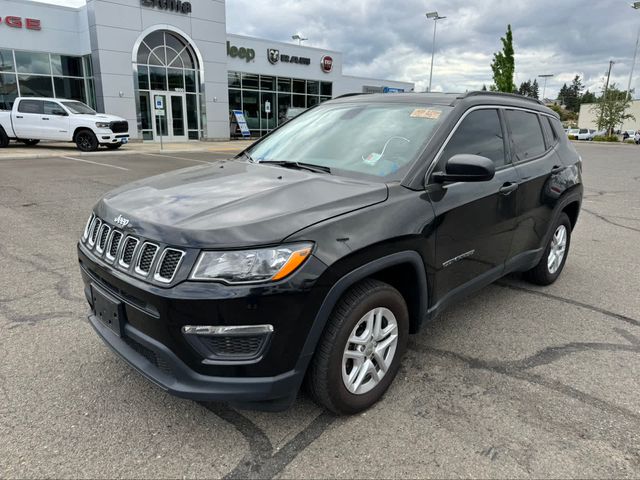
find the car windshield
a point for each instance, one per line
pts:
(79, 107)
(379, 140)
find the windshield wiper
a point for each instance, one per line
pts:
(299, 165)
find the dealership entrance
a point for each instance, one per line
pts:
(168, 67)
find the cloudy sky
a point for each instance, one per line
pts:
(391, 39)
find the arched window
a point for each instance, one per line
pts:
(167, 66)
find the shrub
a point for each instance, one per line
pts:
(573, 137)
(606, 138)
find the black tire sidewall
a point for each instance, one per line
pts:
(344, 400)
(551, 277)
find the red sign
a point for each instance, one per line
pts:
(16, 22)
(326, 64)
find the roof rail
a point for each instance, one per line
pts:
(510, 95)
(350, 95)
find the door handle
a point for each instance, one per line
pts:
(507, 188)
(45, 118)
(19, 116)
(557, 169)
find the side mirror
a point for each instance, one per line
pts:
(466, 168)
(61, 113)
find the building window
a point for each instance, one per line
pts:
(8, 90)
(168, 66)
(250, 93)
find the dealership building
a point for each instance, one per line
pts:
(127, 57)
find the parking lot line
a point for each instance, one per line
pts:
(95, 163)
(178, 158)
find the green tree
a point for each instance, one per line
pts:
(529, 89)
(573, 94)
(535, 89)
(504, 65)
(484, 87)
(611, 109)
(588, 97)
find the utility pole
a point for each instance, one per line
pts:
(435, 17)
(544, 88)
(604, 94)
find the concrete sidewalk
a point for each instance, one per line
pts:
(61, 149)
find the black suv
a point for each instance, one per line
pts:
(313, 254)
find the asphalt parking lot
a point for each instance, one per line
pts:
(518, 381)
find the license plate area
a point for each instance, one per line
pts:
(108, 309)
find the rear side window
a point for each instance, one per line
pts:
(480, 133)
(31, 106)
(526, 134)
(549, 131)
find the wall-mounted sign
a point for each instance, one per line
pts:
(170, 5)
(240, 52)
(326, 63)
(274, 56)
(16, 22)
(392, 90)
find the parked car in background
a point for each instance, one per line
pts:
(33, 119)
(293, 112)
(312, 255)
(572, 133)
(586, 134)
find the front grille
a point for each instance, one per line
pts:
(104, 235)
(147, 254)
(130, 245)
(234, 345)
(114, 244)
(119, 127)
(94, 231)
(168, 265)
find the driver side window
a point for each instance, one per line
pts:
(480, 133)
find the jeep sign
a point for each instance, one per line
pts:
(240, 52)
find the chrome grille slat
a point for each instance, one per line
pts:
(102, 238)
(168, 265)
(95, 228)
(146, 257)
(87, 227)
(128, 251)
(114, 243)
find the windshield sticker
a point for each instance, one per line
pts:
(426, 113)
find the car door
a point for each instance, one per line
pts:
(474, 220)
(535, 159)
(27, 121)
(55, 121)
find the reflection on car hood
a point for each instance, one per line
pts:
(234, 203)
(98, 117)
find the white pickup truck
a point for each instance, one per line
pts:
(33, 119)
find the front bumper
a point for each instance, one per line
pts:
(107, 136)
(152, 341)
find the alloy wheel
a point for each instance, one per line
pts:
(557, 250)
(369, 351)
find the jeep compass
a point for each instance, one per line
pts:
(310, 257)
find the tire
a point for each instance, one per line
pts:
(547, 272)
(30, 142)
(4, 138)
(113, 146)
(86, 141)
(331, 369)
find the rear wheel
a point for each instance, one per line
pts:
(555, 255)
(360, 351)
(86, 141)
(30, 142)
(113, 146)
(4, 138)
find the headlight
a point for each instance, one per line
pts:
(239, 266)
(102, 124)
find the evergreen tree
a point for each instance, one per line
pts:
(588, 97)
(563, 94)
(535, 89)
(504, 65)
(484, 87)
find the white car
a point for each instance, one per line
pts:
(573, 132)
(33, 119)
(586, 134)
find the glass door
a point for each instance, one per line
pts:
(177, 117)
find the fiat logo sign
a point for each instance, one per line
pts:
(326, 63)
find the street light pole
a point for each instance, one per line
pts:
(435, 17)
(298, 36)
(604, 94)
(544, 88)
(636, 6)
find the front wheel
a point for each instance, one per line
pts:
(4, 138)
(360, 351)
(86, 141)
(555, 254)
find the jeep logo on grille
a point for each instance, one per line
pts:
(122, 221)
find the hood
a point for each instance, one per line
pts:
(234, 203)
(98, 117)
